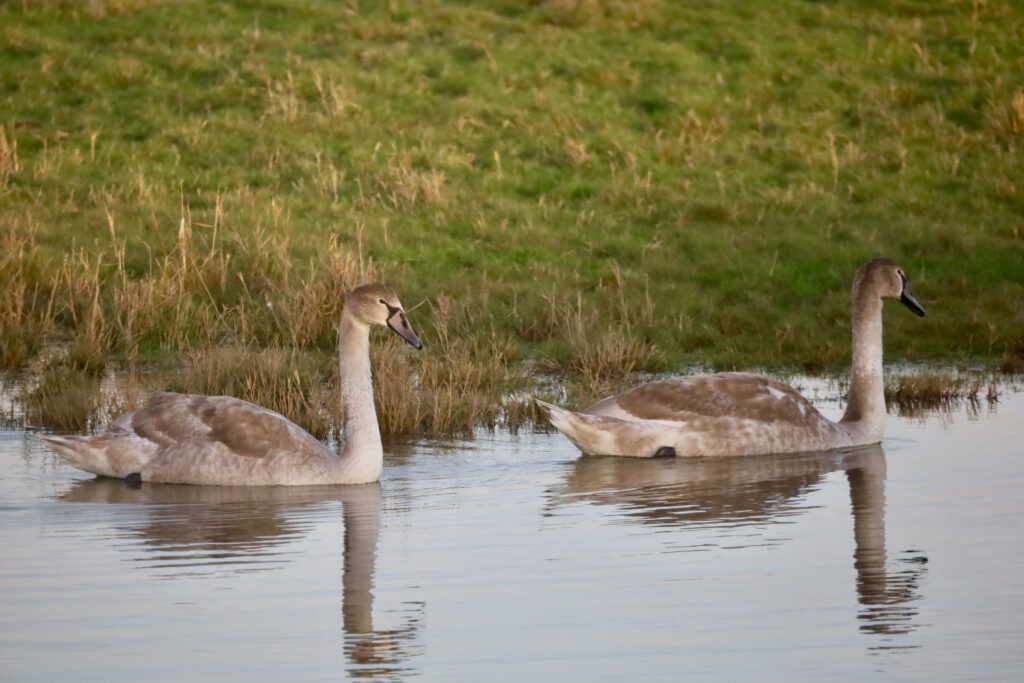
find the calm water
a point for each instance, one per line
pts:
(513, 559)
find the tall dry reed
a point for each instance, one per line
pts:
(915, 393)
(214, 286)
(459, 381)
(62, 399)
(25, 310)
(299, 386)
(599, 350)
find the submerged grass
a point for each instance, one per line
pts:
(591, 189)
(915, 393)
(63, 400)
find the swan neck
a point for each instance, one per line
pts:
(866, 402)
(362, 448)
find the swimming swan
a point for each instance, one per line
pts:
(186, 439)
(739, 413)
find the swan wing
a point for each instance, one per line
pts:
(238, 427)
(187, 439)
(725, 395)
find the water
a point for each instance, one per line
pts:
(511, 558)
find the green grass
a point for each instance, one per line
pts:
(597, 186)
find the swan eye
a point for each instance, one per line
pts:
(391, 309)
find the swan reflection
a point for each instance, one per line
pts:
(742, 491)
(196, 529)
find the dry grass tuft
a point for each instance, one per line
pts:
(213, 287)
(22, 323)
(914, 394)
(611, 356)
(457, 383)
(520, 410)
(595, 351)
(1012, 362)
(404, 186)
(9, 163)
(306, 315)
(396, 390)
(297, 386)
(62, 399)
(1006, 119)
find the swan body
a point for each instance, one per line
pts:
(738, 413)
(188, 439)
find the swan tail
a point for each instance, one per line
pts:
(607, 435)
(86, 454)
(560, 418)
(592, 434)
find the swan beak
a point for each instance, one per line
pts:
(399, 324)
(908, 300)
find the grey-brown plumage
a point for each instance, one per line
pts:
(745, 414)
(187, 439)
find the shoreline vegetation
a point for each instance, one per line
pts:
(72, 401)
(565, 195)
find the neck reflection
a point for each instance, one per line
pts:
(372, 653)
(887, 596)
(189, 531)
(726, 493)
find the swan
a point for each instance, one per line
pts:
(189, 439)
(738, 413)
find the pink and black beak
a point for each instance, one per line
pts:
(399, 324)
(907, 297)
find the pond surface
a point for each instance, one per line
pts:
(512, 558)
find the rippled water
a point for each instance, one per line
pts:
(511, 558)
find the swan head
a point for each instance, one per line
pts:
(377, 304)
(884, 277)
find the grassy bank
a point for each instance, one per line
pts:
(584, 187)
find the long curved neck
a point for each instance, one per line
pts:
(865, 409)
(362, 453)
